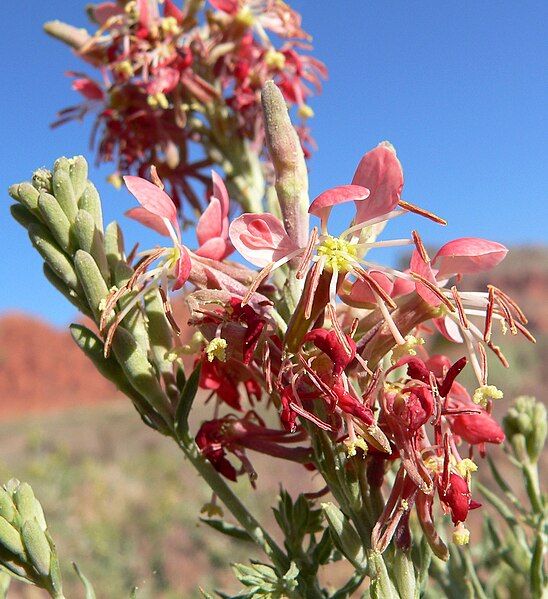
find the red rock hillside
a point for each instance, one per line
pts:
(42, 368)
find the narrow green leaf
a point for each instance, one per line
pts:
(88, 588)
(188, 394)
(536, 572)
(227, 529)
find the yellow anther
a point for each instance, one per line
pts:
(466, 467)
(245, 17)
(461, 535)
(434, 464)
(407, 349)
(124, 68)
(305, 112)
(486, 392)
(159, 99)
(115, 180)
(216, 348)
(275, 59)
(212, 509)
(339, 253)
(353, 445)
(170, 25)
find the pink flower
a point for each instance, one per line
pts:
(212, 226)
(158, 212)
(379, 171)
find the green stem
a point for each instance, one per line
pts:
(471, 570)
(530, 472)
(235, 506)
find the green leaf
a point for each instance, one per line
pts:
(88, 588)
(227, 529)
(536, 573)
(188, 394)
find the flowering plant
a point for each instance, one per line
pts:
(320, 358)
(301, 346)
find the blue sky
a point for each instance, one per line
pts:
(459, 89)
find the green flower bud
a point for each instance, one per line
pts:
(10, 539)
(344, 535)
(63, 189)
(25, 502)
(140, 373)
(7, 509)
(91, 202)
(37, 546)
(23, 216)
(56, 220)
(92, 281)
(114, 244)
(77, 301)
(287, 157)
(55, 258)
(525, 427)
(90, 239)
(42, 180)
(28, 196)
(78, 171)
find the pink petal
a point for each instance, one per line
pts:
(165, 80)
(215, 248)
(361, 295)
(469, 255)
(260, 238)
(422, 268)
(402, 286)
(88, 88)
(152, 198)
(229, 6)
(448, 328)
(171, 10)
(220, 192)
(210, 223)
(152, 221)
(322, 205)
(380, 171)
(104, 11)
(183, 268)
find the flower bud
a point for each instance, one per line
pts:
(56, 220)
(54, 257)
(63, 189)
(92, 281)
(42, 180)
(37, 546)
(525, 426)
(289, 164)
(344, 535)
(27, 195)
(78, 171)
(91, 202)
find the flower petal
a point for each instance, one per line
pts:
(215, 249)
(152, 221)
(448, 328)
(380, 171)
(322, 205)
(469, 255)
(182, 268)
(260, 238)
(422, 268)
(361, 295)
(210, 223)
(152, 198)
